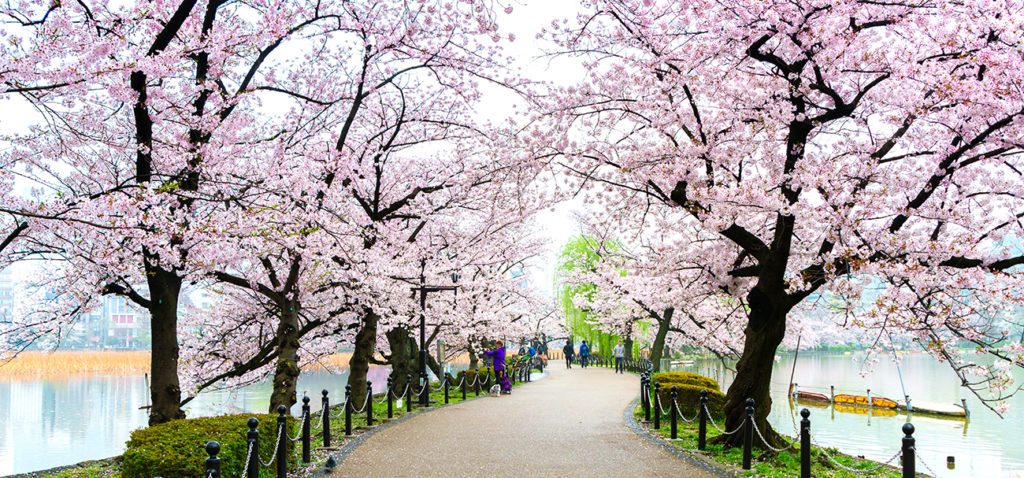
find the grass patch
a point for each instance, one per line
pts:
(767, 463)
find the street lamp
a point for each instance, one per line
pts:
(423, 289)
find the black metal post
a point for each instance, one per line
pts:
(282, 444)
(425, 391)
(476, 383)
(805, 444)
(748, 435)
(305, 429)
(212, 463)
(369, 403)
(645, 397)
(411, 389)
(348, 410)
(423, 333)
(446, 385)
(657, 405)
(325, 414)
(391, 399)
(702, 427)
(909, 461)
(674, 414)
(253, 437)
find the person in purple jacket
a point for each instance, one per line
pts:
(498, 354)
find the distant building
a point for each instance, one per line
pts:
(6, 295)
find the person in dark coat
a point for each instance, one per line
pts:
(584, 354)
(569, 352)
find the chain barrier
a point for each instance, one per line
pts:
(765, 441)
(854, 470)
(366, 401)
(919, 460)
(248, 458)
(301, 422)
(277, 445)
(712, 422)
(320, 421)
(383, 399)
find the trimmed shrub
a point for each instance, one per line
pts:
(177, 448)
(486, 372)
(684, 378)
(688, 387)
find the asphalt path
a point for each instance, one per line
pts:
(568, 423)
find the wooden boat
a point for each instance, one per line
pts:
(935, 408)
(862, 401)
(812, 397)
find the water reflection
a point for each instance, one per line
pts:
(46, 423)
(982, 447)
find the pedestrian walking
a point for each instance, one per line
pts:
(584, 354)
(620, 354)
(569, 353)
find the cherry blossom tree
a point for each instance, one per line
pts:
(818, 146)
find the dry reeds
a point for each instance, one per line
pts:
(33, 363)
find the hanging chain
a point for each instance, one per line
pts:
(765, 441)
(712, 422)
(248, 458)
(934, 474)
(855, 470)
(301, 422)
(277, 444)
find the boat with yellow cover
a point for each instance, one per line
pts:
(863, 401)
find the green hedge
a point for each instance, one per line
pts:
(688, 387)
(684, 378)
(470, 374)
(177, 448)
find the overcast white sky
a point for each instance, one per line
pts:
(525, 22)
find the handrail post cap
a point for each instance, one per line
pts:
(805, 413)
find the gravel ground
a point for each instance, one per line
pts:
(568, 423)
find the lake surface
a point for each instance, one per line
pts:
(45, 423)
(984, 446)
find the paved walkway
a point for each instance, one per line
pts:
(568, 424)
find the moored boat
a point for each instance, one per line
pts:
(935, 408)
(863, 401)
(812, 397)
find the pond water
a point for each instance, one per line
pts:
(50, 422)
(984, 446)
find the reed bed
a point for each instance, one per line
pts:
(34, 363)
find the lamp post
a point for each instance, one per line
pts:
(424, 289)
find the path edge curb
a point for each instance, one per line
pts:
(351, 445)
(690, 459)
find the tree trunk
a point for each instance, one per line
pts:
(657, 349)
(164, 390)
(414, 355)
(627, 341)
(765, 330)
(400, 360)
(474, 361)
(286, 374)
(359, 364)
